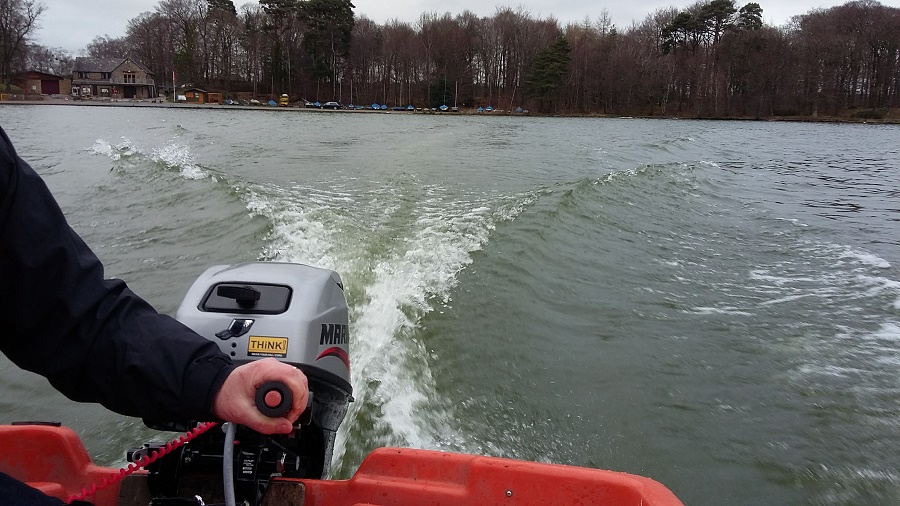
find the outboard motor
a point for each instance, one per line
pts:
(294, 313)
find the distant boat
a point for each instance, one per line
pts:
(488, 109)
(383, 107)
(410, 107)
(273, 103)
(480, 109)
(376, 106)
(444, 108)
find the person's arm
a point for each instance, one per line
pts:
(93, 338)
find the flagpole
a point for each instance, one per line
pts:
(174, 97)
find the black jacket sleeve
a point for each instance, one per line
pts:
(93, 338)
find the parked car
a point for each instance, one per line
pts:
(332, 105)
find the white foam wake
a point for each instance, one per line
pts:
(399, 256)
(174, 155)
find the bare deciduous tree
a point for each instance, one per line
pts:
(713, 58)
(18, 19)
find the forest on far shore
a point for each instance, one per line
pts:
(713, 59)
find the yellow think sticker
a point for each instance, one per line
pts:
(260, 346)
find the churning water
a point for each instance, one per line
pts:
(715, 305)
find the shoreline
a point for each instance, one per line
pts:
(147, 103)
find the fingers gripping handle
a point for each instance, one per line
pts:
(274, 399)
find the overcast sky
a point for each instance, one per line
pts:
(71, 24)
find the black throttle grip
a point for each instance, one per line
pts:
(274, 399)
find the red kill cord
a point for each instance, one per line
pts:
(88, 491)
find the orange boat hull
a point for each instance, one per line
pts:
(54, 460)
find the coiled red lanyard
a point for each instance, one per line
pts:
(88, 491)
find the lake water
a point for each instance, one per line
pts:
(715, 305)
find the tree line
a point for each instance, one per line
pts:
(711, 59)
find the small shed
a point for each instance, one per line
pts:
(42, 83)
(194, 95)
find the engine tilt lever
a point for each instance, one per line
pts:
(238, 327)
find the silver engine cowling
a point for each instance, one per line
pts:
(295, 313)
(299, 316)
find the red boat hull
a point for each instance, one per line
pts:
(54, 460)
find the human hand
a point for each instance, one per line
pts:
(236, 402)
